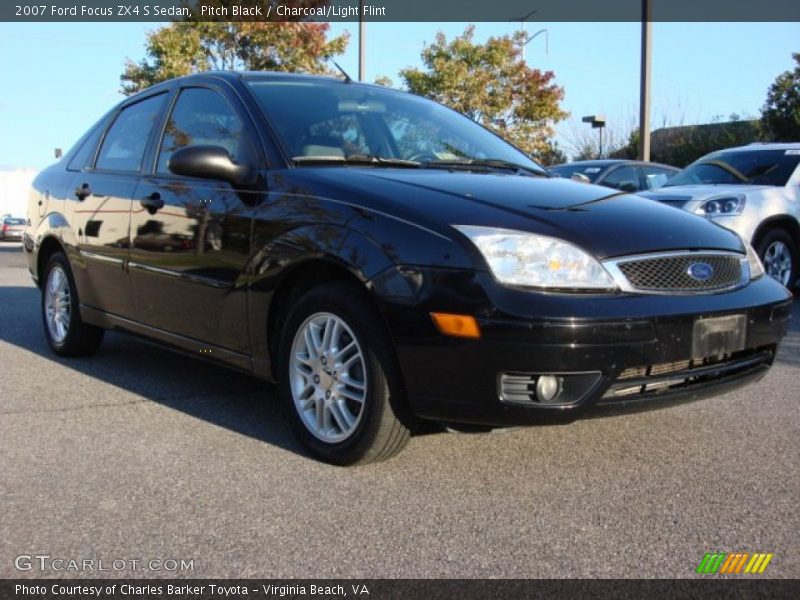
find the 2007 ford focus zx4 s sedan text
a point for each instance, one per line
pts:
(386, 261)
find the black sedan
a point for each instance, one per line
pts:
(623, 175)
(385, 260)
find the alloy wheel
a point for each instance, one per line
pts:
(328, 377)
(778, 262)
(57, 304)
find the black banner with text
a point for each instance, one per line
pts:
(399, 10)
(380, 589)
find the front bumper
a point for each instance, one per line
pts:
(639, 346)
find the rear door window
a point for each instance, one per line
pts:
(126, 141)
(88, 145)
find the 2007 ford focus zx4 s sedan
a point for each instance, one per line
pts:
(386, 261)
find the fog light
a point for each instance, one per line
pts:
(547, 388)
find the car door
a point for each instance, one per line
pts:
(190, 238)
(101, 191)
(624, 178)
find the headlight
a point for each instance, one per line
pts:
(728, 206)
(756, 268)
(531, 260)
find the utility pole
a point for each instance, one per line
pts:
(362, 51)
(644, 99)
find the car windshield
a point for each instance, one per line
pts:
(745, 167)
(591, 172)
(328, 121)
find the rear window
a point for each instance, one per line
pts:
(14, 221)
(591, 172)
(746, 167)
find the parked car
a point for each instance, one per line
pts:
(623, 175)
(753, 190)
(385, 259)
(12, 228)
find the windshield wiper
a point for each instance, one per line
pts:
(485, 163)
(356, 159)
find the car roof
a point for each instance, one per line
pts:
(608, 162)
(236, 76)
(756, 146)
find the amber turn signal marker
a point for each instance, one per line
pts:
(456, 325)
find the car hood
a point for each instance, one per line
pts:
(685, 193)
(605, 222)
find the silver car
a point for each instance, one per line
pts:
(753, 190)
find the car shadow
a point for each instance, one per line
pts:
(199, 388)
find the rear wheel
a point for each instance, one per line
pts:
(779, 253)
(66, 333)
(338, 378)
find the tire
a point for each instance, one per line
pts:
(779, 254)
(343, 398)
(66, 333)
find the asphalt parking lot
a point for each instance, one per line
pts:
(140, 453)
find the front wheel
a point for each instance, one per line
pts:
(779, 254)
(338, 377)
(66, 333)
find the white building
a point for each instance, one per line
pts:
(14, 185)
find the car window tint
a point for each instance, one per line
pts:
(316, 118)
(590, 172)
(86, 146)
(655, 177)
(624, 178)
(417, 135)
(340, 136)
(124, 145)
(202, 117)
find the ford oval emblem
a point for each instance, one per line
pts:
(700, 271)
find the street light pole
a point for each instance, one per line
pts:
(644, 100)
(362, 51)
(522, 30)
(530, 39)
(597, 122)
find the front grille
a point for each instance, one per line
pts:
(670, 273)
(663, 378)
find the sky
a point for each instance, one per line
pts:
(59, 78)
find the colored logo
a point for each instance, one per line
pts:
(734, 563)
(700, 271)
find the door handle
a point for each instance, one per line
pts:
(152, 203)
(83, 192)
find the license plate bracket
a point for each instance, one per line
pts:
(719, 336)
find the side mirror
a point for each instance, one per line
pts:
(628, 187)
(211, 162)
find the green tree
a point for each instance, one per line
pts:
(186, 47)
(491, 84)
(780, 114)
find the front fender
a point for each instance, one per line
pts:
(277, 260)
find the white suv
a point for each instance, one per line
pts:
(753, 190)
